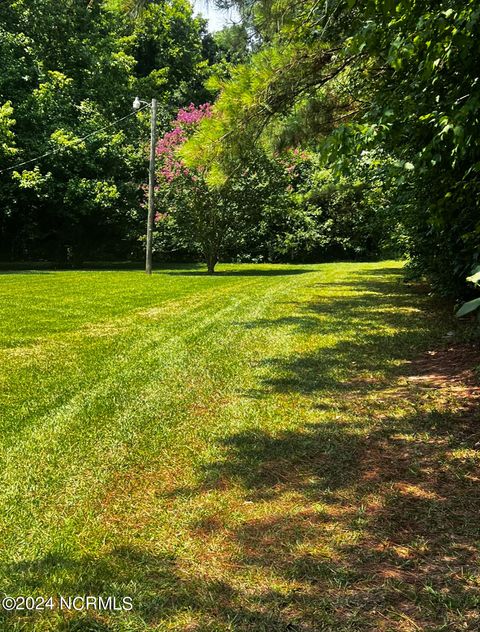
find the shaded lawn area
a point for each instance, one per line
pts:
(277, 448)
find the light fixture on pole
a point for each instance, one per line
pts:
(151, 179)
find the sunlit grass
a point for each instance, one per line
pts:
(238, 452)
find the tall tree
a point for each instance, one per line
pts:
(70, 69)
(400, 76)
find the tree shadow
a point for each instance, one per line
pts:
(241, 273)
(377, 329)
(258, 461)
(383, 527)
(396, 271)
(24, 272)
(158, 589)
(372, 518)
(91, 266)
(367, 521)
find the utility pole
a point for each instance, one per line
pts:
(151, 188)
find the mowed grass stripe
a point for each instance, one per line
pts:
(240, 453)
(32, 369)
(138, 397)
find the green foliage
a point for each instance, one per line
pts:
(424, 109)
(166, 44)
(221, 221)
(384, 95)
(473, 305)
(333, 216)
(7, 136)
(257, 91)
(468, 307)
(69, 69)
(399, 78)
(285, 208)
(232, 44)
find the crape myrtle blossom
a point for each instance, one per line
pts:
(172, 166)
(192, 115)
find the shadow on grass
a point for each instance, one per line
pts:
(159, 593)
(372, 529)
(41, 267)
(188, 269)
(25, 272)
(381, 527)
(365, 521)
(382, 332)
(241, 273)
(406, 545)
(127, 266)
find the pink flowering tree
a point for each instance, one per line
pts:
(171, 166)
(214, 220)
(190, 206)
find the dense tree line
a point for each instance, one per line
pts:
(339, 129)
(69, 69)
(393, 81)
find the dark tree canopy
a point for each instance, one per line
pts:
(69, 69)
(345, 78)
(382, 96)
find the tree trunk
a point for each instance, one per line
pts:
(211, 263)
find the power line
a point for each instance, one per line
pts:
(78, 140)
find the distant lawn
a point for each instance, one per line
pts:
(264, 450)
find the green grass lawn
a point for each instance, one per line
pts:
(237, 452)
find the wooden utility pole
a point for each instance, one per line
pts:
(151, 188)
